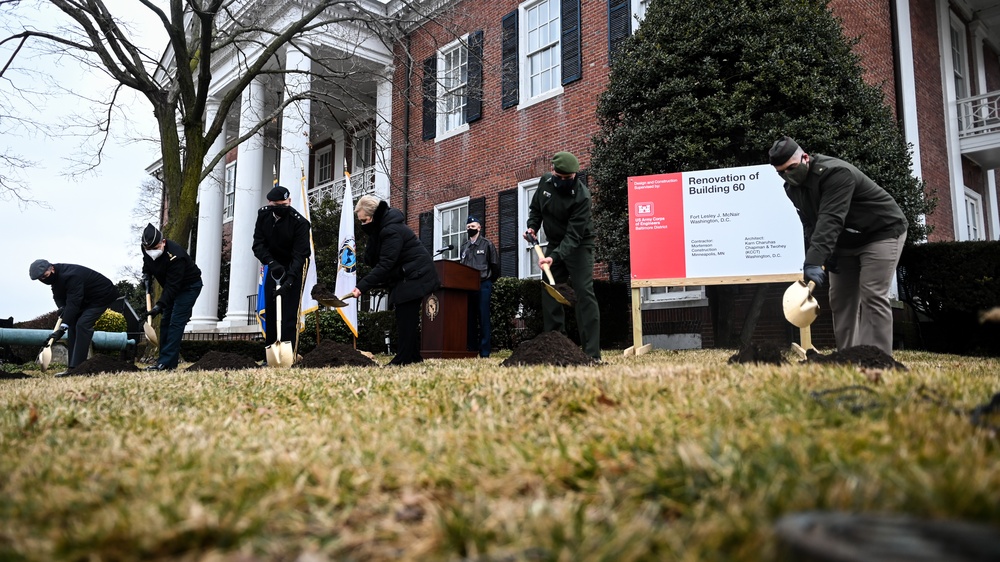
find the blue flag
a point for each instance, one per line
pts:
(261, 300)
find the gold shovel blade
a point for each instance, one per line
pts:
(147, 327)
(554, 293)
(798, 304)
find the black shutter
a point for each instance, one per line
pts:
(619, 26)
(507, 236)
(477, 208)
(474, 87)
(509, 75)
(569, 44)
(430, 98)
(427, 231)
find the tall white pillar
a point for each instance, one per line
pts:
(205, 316)
(244, 267)
(383, 134)
(295, 121)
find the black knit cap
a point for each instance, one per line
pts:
(782, 149)
(151, 236)
(278, 193)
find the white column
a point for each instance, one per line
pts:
(205, 316)
(295, 121)
(244, 267)
(383, 134)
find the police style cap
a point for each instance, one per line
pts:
(565, 163)
(38, 268)
(472, 219)
(782, 149)
(151, 236)
(278, 193)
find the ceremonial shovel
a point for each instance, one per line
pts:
(147, 326)
(280, 353)
(45, 355)
(801, 309)
(550, 286)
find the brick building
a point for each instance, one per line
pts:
(464, 113)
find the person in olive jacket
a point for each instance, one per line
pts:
(561, 205)
(175, 271)
(281, 242)
(854, 231)
(82, 296)
(400, 262)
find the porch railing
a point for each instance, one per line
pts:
(362, 183)
(979, 115)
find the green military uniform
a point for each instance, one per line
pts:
(566, 216)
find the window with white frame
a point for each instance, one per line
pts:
(453, 80)
(449, 227)
(364, 150)
(974, 216)
(324, 165)
(229, 203)
(673, 297)
(638, 12)
(528, 264)
(540, 64)
(959, 65)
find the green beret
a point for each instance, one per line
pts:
(565, 163)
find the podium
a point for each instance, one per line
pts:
(444, 314)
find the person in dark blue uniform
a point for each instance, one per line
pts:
(82, 296)
(281, 242)
(175, 271)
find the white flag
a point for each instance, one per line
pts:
(309, 304)
(347, 269)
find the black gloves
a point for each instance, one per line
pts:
(59, 312)
(153, 312)
(58, 334)
(147, 282)
(814, 273)
(276, 270)
(284, 288)
(830, 265)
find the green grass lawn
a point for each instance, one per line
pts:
(668, 456)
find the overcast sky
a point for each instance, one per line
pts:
(89, 215)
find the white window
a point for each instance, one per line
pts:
(528, 262)
(324, 166)
(453, 79)
(364, 150)
(449, 227)
(229, 204)
(638, 12)
(959, 66)
(540, 55)
(974, 216)
(673, 297)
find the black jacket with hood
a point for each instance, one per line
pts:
(77, 288)
(398, 260)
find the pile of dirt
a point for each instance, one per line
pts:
(322, 294)
(99, 364)
(548, 348)
(10, 376)
(766, 352)
(222, 361)
(867, 356)
(332, 354)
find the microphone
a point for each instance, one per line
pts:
(447, 248)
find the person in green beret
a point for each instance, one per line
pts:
(562, 206)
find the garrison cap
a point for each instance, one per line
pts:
(37, 268)
(278, 193)
(782, 149)
(151, 236)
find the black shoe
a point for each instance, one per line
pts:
(65, 373)
(158, 367)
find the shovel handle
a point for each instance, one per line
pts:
(545, 267)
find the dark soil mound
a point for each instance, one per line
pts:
(222, 361)
(11, 376)
(332, 354)
(548, 348)
(867, 356)
(322, 294)
(759, 353)
(102, 364)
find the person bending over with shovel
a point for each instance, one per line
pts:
(856, 230)
(82, 296)
(281, 242)
(175, 271)
(561, 205)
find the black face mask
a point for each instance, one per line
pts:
(472, 232)
(369, 228)
(281, 211)
(48, 280)
(564, 185)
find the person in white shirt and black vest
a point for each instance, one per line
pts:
(479, 253)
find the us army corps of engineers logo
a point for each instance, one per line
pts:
(348, 258)
(431, 307)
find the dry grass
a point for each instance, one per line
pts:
(670, 456)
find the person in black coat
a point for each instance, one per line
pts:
(175, 271)
(401, 263)
(82, 295)
(281, 242)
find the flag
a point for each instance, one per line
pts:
(261, 300)
(309, 304)
(347, 269)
